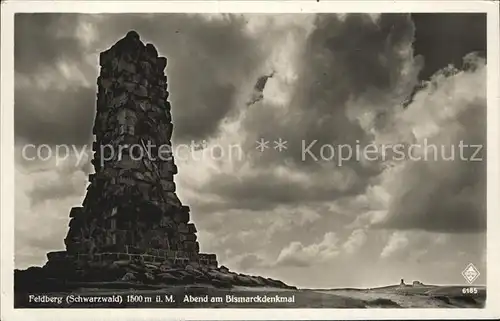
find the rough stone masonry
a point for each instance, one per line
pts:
(131, 208)
(131, 227)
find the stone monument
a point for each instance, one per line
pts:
(131, 210)
(131, 227)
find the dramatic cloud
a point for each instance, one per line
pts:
(296, 254)
(340, 59)
(61, 116)
(209, 59)
(447, 192)
(336, 79)
(43, 198)
(355, 241)
(455, 34)
(397, 241)
(42, 40)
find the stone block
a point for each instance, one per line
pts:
(181, 217)
(167, 222)
(183, 228)
(181, 261)
(96, 162)
(121, 239)
(134, 250)
(170, 254)
(119, 100)
(181, 255)
(158, 259)
(141, 91)
(114, 248)
(162, 253)
(212, 263)
(192, 228)
(104, 82)
(75, 212)
(151, 51)
(57, 255)
(129, 86)
(187, 237)
(191, 246)
(168, 186)
(172, 199)
(136, 257)
(109, 257)
(123, 256)
(82, 257)
(73, 246)
(146, 68)
(127, 66)
(161, 63)
(105, 58)
(167, 167)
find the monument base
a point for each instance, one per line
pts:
(179, 258)
(67, 272)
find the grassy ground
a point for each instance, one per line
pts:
(387, 297)
(417, 297)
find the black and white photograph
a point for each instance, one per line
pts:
(249, 160)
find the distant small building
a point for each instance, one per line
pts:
(417, 283)
(402, 282)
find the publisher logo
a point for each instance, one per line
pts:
(470, 273)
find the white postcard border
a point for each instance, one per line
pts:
(8, 9)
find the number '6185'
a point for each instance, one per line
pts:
(469, 290)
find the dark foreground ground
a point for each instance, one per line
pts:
(211, 297)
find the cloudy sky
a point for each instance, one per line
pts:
(338, 79)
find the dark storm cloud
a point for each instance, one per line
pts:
(41, 39)
(59, 188)
(455, 200)
(446, 38)
(258, 89)
(265, 190)
(207, 61)
(343, 59)
(207, 58)
(50, 115)
(453, 204)
(249, 261)
(363, 53)
(54, 116)
(41, 243)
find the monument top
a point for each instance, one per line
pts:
(132, 46)
(133, 34)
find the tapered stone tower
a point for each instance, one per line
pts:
(131, 209)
